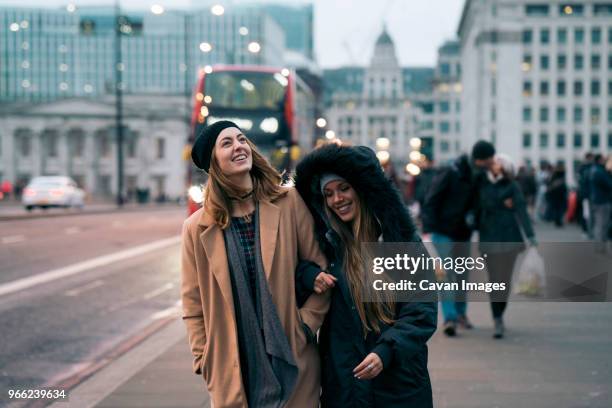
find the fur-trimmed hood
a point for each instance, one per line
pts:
(360, 167)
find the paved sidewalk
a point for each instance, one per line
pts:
(554, 355)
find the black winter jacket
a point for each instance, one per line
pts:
(402, 346)
(449, 198)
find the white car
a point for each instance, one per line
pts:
(52, 191)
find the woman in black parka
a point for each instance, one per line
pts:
(374, 354)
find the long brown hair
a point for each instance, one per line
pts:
(220, 190)
(364, 228)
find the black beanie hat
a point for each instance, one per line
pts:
(482, 150)
(201, 152)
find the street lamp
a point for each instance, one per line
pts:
(217, 10)
(382, 143)
(157, 9)
(330, 135)
(205, 47)
(321, 123)
(254, 47)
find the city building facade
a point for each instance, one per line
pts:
(50, 54)
(365, 105)
(537, 78)
(77, 138)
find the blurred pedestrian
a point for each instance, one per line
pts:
(6, 188)
(423, 181)
(584, 194)
(502, 222)
(373, 351)
(601, 200)
(446, 206)
(250, 341)
(556, 195)
(527, 182)
(542, 178)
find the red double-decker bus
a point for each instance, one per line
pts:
(273, 106)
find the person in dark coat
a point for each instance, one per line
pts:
(601, 200)
(503, 222)
(556, 194)
(373, 354)
(446, 206)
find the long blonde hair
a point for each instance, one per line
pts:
(220, 190)
(364, 228)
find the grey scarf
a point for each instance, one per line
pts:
(268, 368)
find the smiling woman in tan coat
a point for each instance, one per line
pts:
(250, 341)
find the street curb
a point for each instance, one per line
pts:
(18, 217)
(90, 385)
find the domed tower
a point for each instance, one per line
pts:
(383, 78)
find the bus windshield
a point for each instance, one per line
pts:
(245, 90)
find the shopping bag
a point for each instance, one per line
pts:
(530, 273)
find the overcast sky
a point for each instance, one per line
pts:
(345, 30)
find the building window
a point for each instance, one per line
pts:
(579, 35)
(526, 139)
(132, 144)
(609, 114)
(160, 145)
(561, 88)
(577, 88)
(444, 147)
(526, 88)
(561, 61)
(560, 114)
(594, 140)
(595, 115)
(536, 10)
(561, 36)
(610, 140)
(103, 141)
(544, 36)
(571, 10)
(595, 88)
(561, 140)
(24, 142)
(544, 62)
(543, 140)
(596, 35)
(578, 62)
(526, 114)
(610, 60)
(544, 88)
(493, 114)
(527, 36)
(602, 9)
(49, 138)
(444, 127)
(577, 139)
(595, 61)
(526, 65)
(609, 35)
(578, 114)
(543, 114)
(76, 140)
(610, 88)
(444, 106)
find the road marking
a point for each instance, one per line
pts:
(171, 311)
(72, 230)
(117, 224)
(77, 291)
(25, 283)
(13, 239)
(158, 291)
(133, 300)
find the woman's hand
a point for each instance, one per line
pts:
(323, 282)
(369, 368)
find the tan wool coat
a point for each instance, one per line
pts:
(287, 236)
